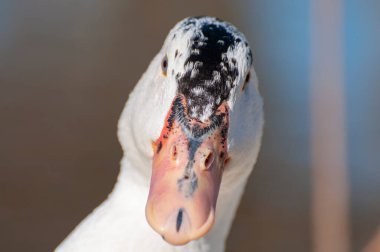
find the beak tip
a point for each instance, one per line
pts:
(178, 229)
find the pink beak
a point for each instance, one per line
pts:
(188, 163)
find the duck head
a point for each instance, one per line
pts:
(205, 67)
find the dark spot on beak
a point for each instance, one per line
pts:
(179, 220)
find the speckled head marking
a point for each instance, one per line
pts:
(211, 57)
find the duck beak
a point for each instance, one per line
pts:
(188, 163)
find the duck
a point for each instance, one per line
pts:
(190, 133)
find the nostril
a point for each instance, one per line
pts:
(209, 159)
(173, 152)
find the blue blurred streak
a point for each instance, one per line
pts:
(363, 118)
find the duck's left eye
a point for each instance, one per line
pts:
(247, 78)
(164, 65)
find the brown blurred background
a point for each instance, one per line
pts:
(67, 67)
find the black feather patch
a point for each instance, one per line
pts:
(208, 68)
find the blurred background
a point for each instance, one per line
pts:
(67, 67)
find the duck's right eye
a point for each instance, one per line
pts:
(164, 65)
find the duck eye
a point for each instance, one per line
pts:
(164, 65)
(247, 78)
